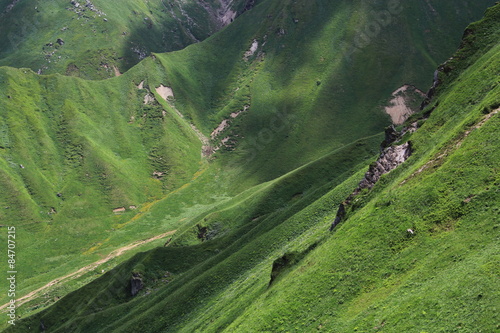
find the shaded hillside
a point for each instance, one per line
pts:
(371, 273)
(245, 144)
(100, 39)
(298, 88)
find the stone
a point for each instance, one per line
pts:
(136, 284)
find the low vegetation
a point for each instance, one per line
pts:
(252, 252)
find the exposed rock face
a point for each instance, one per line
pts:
(391, 135)
(202, 232)
(249, 5)
(135, 284)
(389, 160)
(339, 217)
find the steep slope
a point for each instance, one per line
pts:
(101, 39)
(306, 84)
(418, 252)
(422, 253)
(305, 113)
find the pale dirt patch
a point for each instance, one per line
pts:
(399, 107)
(222, 126)
(236, 114)
(165, 92)
(141, 85)
(116, 253)
(226, 122)
(225, 14)
(252, 50)
(117, 71)
(228, 17)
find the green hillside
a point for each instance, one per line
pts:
(235, 153)
(100, 39)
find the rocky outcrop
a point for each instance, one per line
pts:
(390, 158)
(391, 135)
(202, 232)
(135, 284)
(340, 215)
(436, 82)
(284, 263)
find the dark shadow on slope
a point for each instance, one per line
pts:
(284, 264)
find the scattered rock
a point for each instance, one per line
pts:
(60, 41)
(139, 51)
(391, 135)
(158, 174)
(149, 99)
(11, 5)
(136, 284)
(252, 50)
(222, 126)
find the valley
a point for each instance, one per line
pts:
(255, 166)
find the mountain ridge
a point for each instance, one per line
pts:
(287, 210)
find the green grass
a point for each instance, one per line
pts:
(314, 124)
(97, 40)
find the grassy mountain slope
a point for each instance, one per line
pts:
(370, 274)
(100, 38)
(312, 125)
(89, 157)
(307, 91)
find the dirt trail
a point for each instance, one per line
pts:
(116, 253)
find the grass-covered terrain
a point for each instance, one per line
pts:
(301, 87)
(99, 39)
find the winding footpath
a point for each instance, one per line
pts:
(116, 253)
